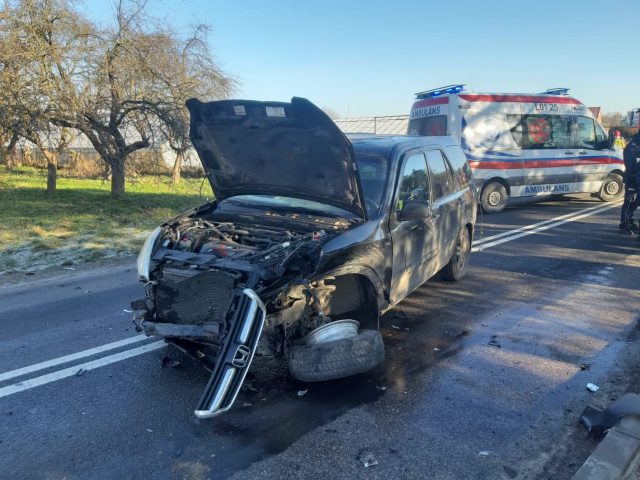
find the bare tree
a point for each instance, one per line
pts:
(123, 87)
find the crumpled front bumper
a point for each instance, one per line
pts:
(237, 348)
(236, 355)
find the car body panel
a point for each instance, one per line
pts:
(275, 148)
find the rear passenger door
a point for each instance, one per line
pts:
(446, 203)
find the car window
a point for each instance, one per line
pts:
(460, 166)
(441, 174)
(586, 133)
(373, 171)
(601, 137)
(544, 131)
(414, 180)
(428, 126)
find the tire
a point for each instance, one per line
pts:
(494, 197)
(612, 188)
(456, 269)
(337, 359)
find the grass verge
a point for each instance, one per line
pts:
(81, 222)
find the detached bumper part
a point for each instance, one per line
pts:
(236, 355)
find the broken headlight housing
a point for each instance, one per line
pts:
(144, 257)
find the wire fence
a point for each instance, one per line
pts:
(389, 125)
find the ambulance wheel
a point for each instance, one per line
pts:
(494, 197)
(612, 188)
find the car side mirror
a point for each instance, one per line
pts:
(414, 210)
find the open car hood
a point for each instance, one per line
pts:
(274, 148)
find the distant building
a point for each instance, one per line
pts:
(596, 113)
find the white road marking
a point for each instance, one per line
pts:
(71, 371)
(515, 235)
(71, 357)
(536, 225)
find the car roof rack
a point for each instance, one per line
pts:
(436, 92)
(557, 91)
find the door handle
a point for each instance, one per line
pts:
(582, 152)
(568, 153)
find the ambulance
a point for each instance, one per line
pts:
(523, 145)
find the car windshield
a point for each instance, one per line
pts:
(288, 203)
(373, 176)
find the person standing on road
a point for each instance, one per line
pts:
(631, 173)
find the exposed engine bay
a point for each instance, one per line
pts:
(223, 291)
(278, 250)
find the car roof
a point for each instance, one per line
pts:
(387, 144)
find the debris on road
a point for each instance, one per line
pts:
(249, 387)
(596, 420)
(168, 362)
(302, 393)
(585, 366)
(367, 458)
(592, 387)
(125, 310)
(381, 389)
(68, 268)
(511, 473)
(494, 341)
(436, 349)
(395, 327)
(149, 430)
(484, 453)
(80, 372)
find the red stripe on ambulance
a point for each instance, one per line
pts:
(519, 98)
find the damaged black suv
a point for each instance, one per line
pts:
(310, 238)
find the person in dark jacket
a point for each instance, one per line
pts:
(631, 182)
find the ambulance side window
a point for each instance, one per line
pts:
(516, 128)
(546, 131)
(586, 133)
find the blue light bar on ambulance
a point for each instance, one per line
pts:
(557, 91)
(436, 92)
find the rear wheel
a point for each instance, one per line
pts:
(494, 197)
(612, 188)
(456, 269)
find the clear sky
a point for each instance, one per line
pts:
(368, 57)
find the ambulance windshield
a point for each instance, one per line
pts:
(428, 126)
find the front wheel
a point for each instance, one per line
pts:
(328, 360)
(456, 269)
(494, 197)
(612, 188)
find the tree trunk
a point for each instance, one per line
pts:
(52, 173)
(117, 177)
(177, 168)
(9, 153)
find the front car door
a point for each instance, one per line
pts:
(415, 243)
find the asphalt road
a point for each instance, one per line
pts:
(483, 378)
